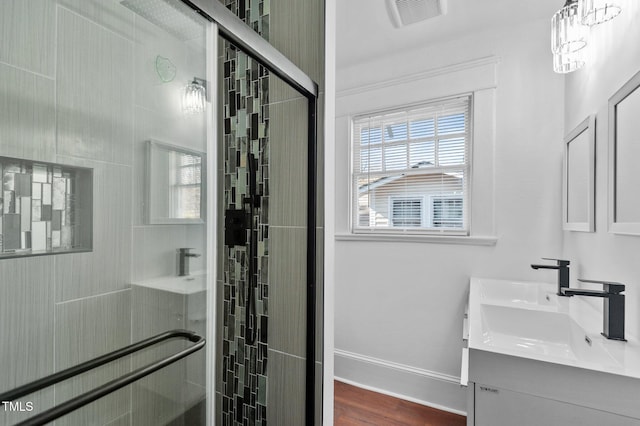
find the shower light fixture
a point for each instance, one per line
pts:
(194, 97)
(594, 12)
(568, 34)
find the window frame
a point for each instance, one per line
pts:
(468, 170)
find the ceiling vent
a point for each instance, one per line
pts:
(406, 12)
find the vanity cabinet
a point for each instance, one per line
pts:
(500, 407)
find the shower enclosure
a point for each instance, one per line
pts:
(160, 244)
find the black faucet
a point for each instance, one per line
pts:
(563, 272)
(183, 261)
(613, 319)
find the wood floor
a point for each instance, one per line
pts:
(359, 407)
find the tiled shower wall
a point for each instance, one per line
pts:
(78, 87)
(273, 370)
(246, 114)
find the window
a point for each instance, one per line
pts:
(406, 212)
(411, 169)
(446, 212)
(186, 185)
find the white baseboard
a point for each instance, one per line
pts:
(433, 389)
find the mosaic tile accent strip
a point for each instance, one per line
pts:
(246, 115)
(40, 208)
(255, 13)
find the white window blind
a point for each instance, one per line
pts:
(406, 212)
(447, 212)
(411, 167)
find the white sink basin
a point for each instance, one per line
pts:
(517, 292)
(528, 320)
(540, 333)
(190, 284)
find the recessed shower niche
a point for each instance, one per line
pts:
(45, 208)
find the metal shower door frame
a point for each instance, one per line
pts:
(228, 26)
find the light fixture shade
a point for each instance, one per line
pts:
(568, 34)
(194, 97)
(564, 63)
(594, 12)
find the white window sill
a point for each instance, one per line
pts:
(434, 239)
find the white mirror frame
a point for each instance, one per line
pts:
(630, 87)
(151, 219)
(588, 127)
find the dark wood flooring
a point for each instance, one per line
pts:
(359, 407)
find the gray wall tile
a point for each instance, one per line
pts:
(286, 390)
(26, 320)
(280, 91)
(137, 254)
(288, 165)
(27, 113)
(28, 34)
(139, 206)
(107, 268)
(26, 328)
(124, 420)
(296, 30)
(151, 408)
(287, 290)
(94, 92)
(107, 13)
(85, 329)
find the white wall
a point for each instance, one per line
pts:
(399, 305)
(614, 59)
(328, 314)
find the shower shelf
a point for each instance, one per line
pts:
(97, 393)
(45, 208)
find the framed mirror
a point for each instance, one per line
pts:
(175, 191)
(579, 177)
(624, 152)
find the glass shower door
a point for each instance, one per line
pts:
(264, 341)
(101, 87)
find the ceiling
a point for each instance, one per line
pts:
(365, 31)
